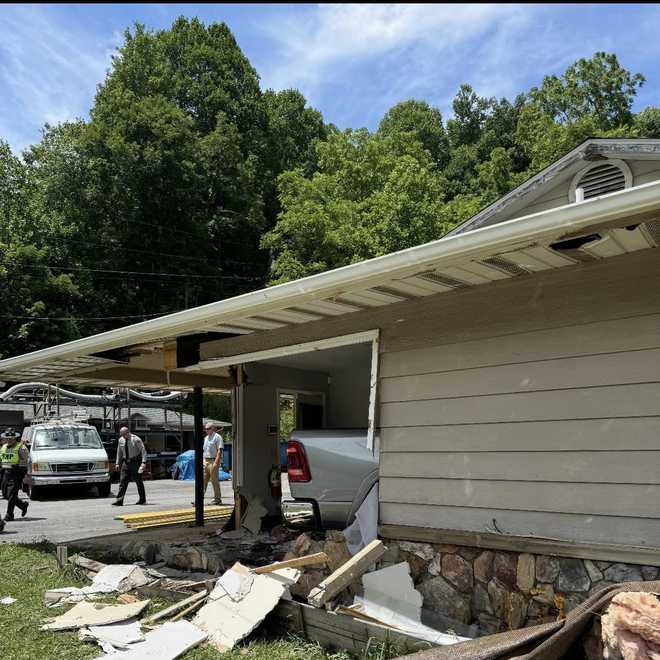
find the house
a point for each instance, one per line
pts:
(508, 375)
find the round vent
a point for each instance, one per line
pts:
(600, 179)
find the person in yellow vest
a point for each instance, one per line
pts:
(14, 461)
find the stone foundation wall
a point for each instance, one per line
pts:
(504, 590)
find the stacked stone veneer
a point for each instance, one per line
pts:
(505, 590)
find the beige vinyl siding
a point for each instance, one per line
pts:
(533, 410)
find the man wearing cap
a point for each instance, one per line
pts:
(13, 460)
(131, 461)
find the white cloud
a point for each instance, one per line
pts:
(48, 71)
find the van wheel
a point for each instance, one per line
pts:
(104, 489)
(35, 493)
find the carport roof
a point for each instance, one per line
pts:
(626, 221)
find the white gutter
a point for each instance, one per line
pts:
(443, 252)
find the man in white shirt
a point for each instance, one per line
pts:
(212, 460)
(131, 461)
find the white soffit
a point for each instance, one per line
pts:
(510, 249)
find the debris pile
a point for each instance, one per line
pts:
(173, 517)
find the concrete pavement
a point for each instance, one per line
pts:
(65, 515)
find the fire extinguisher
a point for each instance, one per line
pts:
(275, 482)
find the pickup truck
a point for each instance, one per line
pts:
(331, 471)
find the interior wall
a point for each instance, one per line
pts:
(348, 398)
(260, 449)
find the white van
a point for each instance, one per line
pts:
(64, 453)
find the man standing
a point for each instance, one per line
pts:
(131, 461)
(213, 460)
(14, 461)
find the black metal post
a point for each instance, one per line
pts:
(199, 456)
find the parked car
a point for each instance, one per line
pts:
(64, 453)
(332, 471)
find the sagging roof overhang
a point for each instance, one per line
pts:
(145, 354)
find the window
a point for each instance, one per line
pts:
(67, 438)
(600, 178)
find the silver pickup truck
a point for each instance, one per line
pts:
(331, 471)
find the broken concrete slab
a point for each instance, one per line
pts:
(228, 621)
(95, 614)
(167, 642)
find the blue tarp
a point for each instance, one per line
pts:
(184, 468)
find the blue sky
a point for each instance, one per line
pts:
(352, 62)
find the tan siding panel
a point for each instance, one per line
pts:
(642, 332)
(618, 467)
(637, 501)
(585, 403)
(642, 433)
(577, 527)
(625, 367)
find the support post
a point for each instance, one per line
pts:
(199, 456)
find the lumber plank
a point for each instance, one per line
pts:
(346, 574)
(88, 564)
(182, 604)
(307, 560)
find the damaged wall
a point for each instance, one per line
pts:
(504, 590)
(260, 449)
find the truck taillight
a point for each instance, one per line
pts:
(296, 462)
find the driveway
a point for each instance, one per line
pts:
(70, 514)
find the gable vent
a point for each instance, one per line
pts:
(600, 179)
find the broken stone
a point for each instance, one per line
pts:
(543, 593)
(422, 550)
(592, 570)
(483, 566)
(649, 572)
(525, 575)
(517, 610)
(435, 567)
(305, 545)
(505, 568)
(458, 572)
(481, 600)
(417, 565)
(310, 579)
(547, 568)
(337, 552)
(623, 573)
(441, 597)
(572, 576)
(391, 555)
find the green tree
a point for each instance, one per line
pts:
(598, 86)
(470, 114)
(371, 195)
(424, 122)
(647, 123)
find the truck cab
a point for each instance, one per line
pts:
(66, 453)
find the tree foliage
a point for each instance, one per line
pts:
(188, 183)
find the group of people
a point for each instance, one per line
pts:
(131, 462)
(132, 459)
(14, 464)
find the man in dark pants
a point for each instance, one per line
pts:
(14, 460)
(131, 460)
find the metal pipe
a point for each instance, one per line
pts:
(198, 401)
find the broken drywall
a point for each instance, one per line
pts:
(391, 598)
(113, 636)
(364, 528)
(167, 642)
(95, 614)
(226, 620)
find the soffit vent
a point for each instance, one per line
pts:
(431, 276)
(600, 179)
(653, 230)
(505, 265)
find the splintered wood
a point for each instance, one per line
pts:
(172, 517)
(346, 574)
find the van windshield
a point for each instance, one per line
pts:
(67, 438)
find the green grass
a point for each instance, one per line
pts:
(27, 571)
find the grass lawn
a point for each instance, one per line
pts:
(27, 571)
